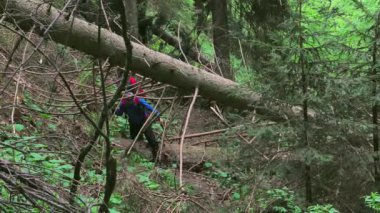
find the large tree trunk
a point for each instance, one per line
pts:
(221, 37)
(144, 22)
(192, 155)
(201, 14)
(82, 35)
(132, 15)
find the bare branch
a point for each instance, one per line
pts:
(183, 137)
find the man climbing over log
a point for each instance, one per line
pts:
(138, 110)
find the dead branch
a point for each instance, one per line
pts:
(183, 136)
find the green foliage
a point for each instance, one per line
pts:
(168, 177)
(373, 201)
(206, 47)
(53, 127)
(157, 127)
(28, 100)
(119, 125)
(322, 209)
(280, 200)
(152, 179)
(243, 74)
(17, 127)
(207, 165)
(116, 199)
(86, 76)
(59, 3)
(62, 50)
(144, 176)
(236, 196)
(28, 151)
(311, 155)
(223, 177)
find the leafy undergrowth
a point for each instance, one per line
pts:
(45, 146)
(141, 184)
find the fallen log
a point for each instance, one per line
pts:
(83, 36)
(192, 155)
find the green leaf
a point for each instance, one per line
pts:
(57, 161)
(153, 186)
(148, 165)
(45, 116)
(208, 165)
(52, 127)
(65, 167)
(142, 178)
(223, 174)
(19, 127)
(39, 123)
(37, 157)
(39, 145)
(35, 107)
(116, 199)
(49, 165)
(112, 210)
(235, 196)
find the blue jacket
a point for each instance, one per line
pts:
(137, 109)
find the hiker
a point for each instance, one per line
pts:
(138, 110)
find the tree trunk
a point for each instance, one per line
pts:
(201, 14)
(221, 37)
(375, 130)
(305, 131)
(144, 22)
(132, 17)
(192, 155)
(82, 36)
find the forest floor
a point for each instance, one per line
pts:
(65, 133)
(196, 174)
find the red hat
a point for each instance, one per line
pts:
(132, 80)
(131, 84)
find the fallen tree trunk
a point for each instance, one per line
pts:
(192, 155)
(82, 36)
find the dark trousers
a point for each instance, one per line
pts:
(148, 133)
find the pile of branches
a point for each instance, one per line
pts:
(35, 192)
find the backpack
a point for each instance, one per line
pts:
(135, 111)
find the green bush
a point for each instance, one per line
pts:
(322, 209)
(373, 201)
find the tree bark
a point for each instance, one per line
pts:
(132, 17)
(192, 155)
(82, 36)
(144, 22)
(201, 14)
(375, 130)
(221, 37)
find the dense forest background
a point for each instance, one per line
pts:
(291, 126)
